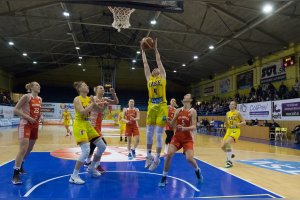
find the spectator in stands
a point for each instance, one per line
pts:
(297, 134)
(274, 124)
(266, 123)
(259, 91)
(1, 97)
(297, 86)
(283, 90)
(293, 93)
(256, 123)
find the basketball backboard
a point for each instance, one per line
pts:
(155, 5)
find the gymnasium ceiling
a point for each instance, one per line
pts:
(238, 30)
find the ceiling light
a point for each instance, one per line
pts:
(79, 64)
(138, 52)
(77, 48)
(83, 69)
(11, 43)
(268, 8)
(80, 57)
(34, 62)
(195, 57)
(183, 65)
(132, 67)
(66, 14)
(153, 22)
(24, 54)
(211, 47)
(174, 71)
(134, 61)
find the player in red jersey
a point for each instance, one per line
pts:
(184, 123)
(97, 117)
(169, 129)
(131, 116)
(29, 109)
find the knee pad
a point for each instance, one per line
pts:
(150, 133)
(159, 132)
(85, 151)
(100, 147)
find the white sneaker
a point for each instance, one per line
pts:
(76, 180)
(95, 173)
(154, 165)
(149, 160)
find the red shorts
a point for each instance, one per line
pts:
(131, 131)
(179, 142)
(28, 131)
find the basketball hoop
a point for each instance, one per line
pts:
(121, 17)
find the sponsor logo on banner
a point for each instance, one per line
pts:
(260, 110)
(273, 72)
(287, 167)
(286, 109)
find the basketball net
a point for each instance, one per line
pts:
(121, 17)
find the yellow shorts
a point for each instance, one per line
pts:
(84, 131)
(122, 128)
(67, 122)
(232, 132)
(157, 114)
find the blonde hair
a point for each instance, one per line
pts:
(77, 85)
(95, 88)
(28, 86)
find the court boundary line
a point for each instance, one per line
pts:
(236, 196)
(240, 178)
(7, 162)
(58, 177)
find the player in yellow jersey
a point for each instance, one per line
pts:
(66, 116)
(234, 121)
(84, 132)
(122, 126)
(157, 107)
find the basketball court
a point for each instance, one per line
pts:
(57, 43)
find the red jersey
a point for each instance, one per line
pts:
(171, 112)
(32, 108)
(96, 120)
(130, 113)
(184, 119)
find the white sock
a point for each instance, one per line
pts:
(157, 157)
(75, 172)
(148, 152)
(229, 153)
(166, 148)
(88, 160)
(165, 173)
(93, 165)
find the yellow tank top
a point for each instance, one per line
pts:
(157, 90)
(233, 118)
(85, 103)
(121, 116)
(66, 116)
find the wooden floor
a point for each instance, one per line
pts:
(207, 149)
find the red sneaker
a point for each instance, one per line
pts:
(100, 169)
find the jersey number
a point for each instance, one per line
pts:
(36, 110)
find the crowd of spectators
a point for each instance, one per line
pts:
(267, 92)
(5, 98)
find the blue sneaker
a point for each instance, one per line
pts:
(199, 176)
(133, 153)
(130, 156)
(163, 182)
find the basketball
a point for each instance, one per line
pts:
(147, 43)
